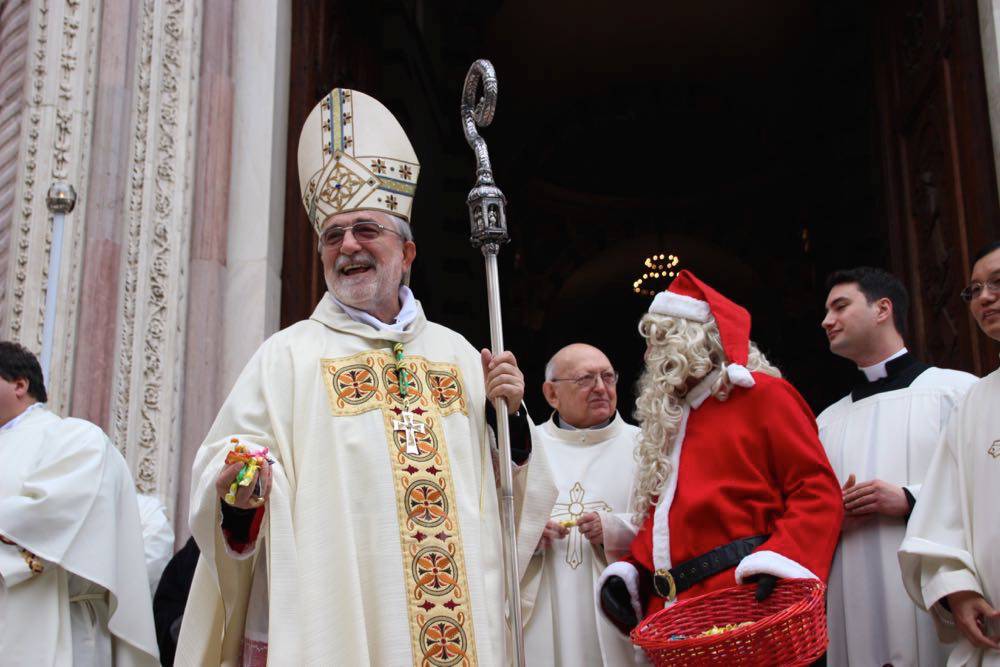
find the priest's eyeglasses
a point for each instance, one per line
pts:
(589, 381)
(972, 292)
(365, 231)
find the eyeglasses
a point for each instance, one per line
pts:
(972, 292)
(609, 378)
(365, 232)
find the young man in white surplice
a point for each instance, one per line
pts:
(880, 439)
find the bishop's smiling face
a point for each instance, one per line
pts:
(366, 274)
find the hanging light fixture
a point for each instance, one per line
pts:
(657, 273)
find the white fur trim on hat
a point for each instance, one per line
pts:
(740, 376)
(679, 305)
(773, 563)
(630, 576)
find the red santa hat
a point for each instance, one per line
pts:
(691, 299)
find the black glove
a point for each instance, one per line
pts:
(765, 586)
(617, 604)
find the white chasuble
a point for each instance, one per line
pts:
(593, 470)
(67, 497)
(889, 436)
(953, 538)
(381, 532)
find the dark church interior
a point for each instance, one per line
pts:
(756, 143)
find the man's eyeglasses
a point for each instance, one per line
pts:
(609, 378)
(972, 292)
(364, 232)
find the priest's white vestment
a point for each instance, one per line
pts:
(593, 470)
(953, 538)
(382, 540)
(66, 496)
(890, 436)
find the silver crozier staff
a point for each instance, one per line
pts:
(489, 230)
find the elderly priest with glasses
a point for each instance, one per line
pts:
(344, 500)
(590, 450)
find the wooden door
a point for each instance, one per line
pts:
(940, 180)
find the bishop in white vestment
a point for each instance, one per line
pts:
(373, 536)
(73, 584)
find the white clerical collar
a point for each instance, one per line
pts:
(561, 423)
(13, 422)
(407, 313)
(585, 436)
(701, 391)
(877, 371)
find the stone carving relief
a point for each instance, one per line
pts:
(53, 144)
(150, 349)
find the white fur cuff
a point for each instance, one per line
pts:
(678, 305)
(630, 575)
(740, 376)
(773, 563)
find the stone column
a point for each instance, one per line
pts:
(149, 354)
(54, 144)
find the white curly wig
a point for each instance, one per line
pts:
(679, 353)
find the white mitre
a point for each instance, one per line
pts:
(354, 155)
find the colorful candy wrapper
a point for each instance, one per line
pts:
(252, 462)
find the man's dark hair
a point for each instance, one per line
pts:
(16, 363)
(985, 250)
(876, 284)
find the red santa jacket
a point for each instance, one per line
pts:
(750, 465)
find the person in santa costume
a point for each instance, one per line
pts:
(732, 484)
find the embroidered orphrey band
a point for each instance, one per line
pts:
(438, 604)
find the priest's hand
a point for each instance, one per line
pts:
(244, 494)
(590, 527)
(503, 378)
(553, 531)
(874, 497)
(971, 612)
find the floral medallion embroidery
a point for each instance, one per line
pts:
(356, 384)
(444, 642)
(445, 388)
(414, 388)
(434, 571)
(426, 504)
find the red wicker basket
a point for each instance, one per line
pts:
(788, 628)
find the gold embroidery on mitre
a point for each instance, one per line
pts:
(378, 168)
(434, 567)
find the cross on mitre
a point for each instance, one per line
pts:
(409, 424)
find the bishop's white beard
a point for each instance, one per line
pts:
(365, 292)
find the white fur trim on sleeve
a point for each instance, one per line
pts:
(740, 376)
(630, 575)
(773, 563)
(678, 305)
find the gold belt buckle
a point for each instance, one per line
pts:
(665, 573)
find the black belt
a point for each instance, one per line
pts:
(669, 583)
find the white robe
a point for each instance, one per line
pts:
(953, 539)
(373, 555)
(66, 496)
(593, 470)
(889, 436)
(157, 537)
